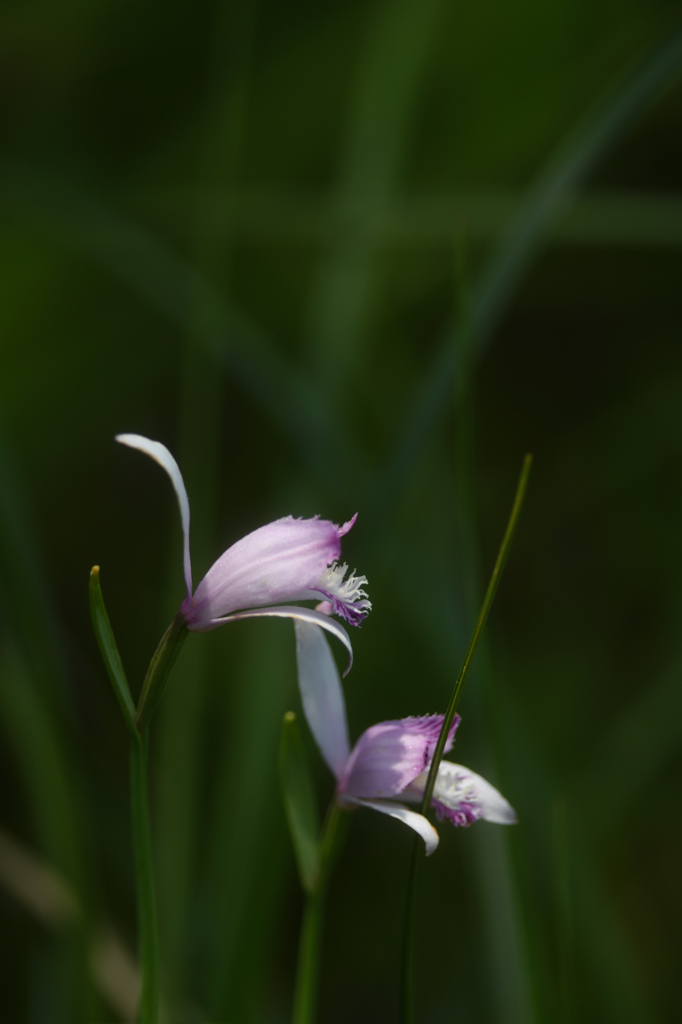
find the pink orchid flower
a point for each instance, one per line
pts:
(286, 561)
(391, 759)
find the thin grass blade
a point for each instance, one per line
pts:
(299, 802)
(106, 642)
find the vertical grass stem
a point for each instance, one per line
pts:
(148, 942)
(308, 968)
(407, 1007)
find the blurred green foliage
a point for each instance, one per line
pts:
(346, 257)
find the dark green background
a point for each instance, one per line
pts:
(338, 257)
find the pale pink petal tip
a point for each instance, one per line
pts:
(343, 530)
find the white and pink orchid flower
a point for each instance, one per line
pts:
(286, 561)
(391, 759)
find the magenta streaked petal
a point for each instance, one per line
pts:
(391, 755)
(321, 695)
(415, 821)
(463, 797)
(160, 454)
(288, 560)
(283, 611)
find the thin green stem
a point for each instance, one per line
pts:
(159, 669)
(478, 629)
(407, 1003)
(157, 675)
(409, 931)
(109, 650)
(310, 944)
(148, 941)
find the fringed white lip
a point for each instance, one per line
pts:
(459, 792)
(346, 595)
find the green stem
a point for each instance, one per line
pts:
(407, 1006)
(407, 973)
(310, 943)
(148, 942)
(478, 630)
(159, 669)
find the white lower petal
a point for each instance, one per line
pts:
(321, 694)
(459, 789)
(157, 451)
(284, 611)
(415, 821)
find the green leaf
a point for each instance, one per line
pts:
(109, 649)
(299, 802)
(160, 668)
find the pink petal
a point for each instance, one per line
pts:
(391, 755)
(285, 561)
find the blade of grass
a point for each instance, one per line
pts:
(179, 292)
(398, 41)
(601, 217)
(299, 802)
(147, 928)
(209, 345)
(566, 170)
(247, 851)
(478, 629)
(35, 710)
(109, 650)
(37, 745)
(407, 1014)
(310, 941)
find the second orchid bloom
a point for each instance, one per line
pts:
(391, 759)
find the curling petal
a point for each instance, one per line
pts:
(410, 818)
(284, 561)
(282, 611)
(322, 696)
(463, 797)
(391, 755)
(160, 454)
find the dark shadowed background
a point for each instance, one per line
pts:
(345, 257)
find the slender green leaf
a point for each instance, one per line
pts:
(299, 802)
(548, 196)
(396, 49)
(109, 650)
(478, 629)
(159, 670)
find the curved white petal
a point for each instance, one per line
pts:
(284, 611)
(410, 818)
(157, 451)
(322, 695)
(455, 784)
